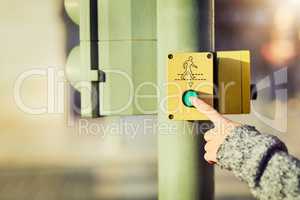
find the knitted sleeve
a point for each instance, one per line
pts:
(263, 162)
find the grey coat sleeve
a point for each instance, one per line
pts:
(263, 162)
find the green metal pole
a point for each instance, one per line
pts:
(183, 25)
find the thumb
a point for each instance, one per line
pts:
(207, 110)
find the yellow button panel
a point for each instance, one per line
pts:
(189, 72)
(221, 79)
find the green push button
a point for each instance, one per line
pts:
(186, 97)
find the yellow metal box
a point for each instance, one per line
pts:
(221, 79)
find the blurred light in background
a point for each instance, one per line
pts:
(281, 48)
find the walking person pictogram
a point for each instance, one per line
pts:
(188, 66)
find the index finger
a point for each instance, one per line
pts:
(206, 109)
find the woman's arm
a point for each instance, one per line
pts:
(263, 162)
(260, 160)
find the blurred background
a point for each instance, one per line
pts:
(50, 156)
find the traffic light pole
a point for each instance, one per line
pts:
(182, 26)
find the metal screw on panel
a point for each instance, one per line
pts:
(170, 56)
(209, 56)
(171, 117)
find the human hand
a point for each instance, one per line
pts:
(216, 136)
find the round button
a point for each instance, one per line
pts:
(186, 97)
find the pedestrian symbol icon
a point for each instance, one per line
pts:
(188, 67)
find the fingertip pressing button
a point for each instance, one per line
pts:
(186, 97)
